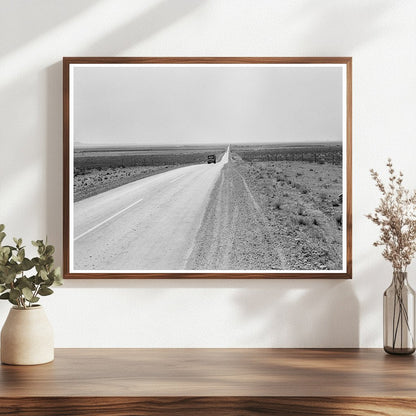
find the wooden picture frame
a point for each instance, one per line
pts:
(278, 202)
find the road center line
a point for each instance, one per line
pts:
(108, 219)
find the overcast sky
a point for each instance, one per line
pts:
(205, 104)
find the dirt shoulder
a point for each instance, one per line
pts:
(234, 234)
(97, 180)
(272, 216)
(300, 202)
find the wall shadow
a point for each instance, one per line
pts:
(339, 34)
(301, 313)
(54, 145)
(37, 17)
(155, 19)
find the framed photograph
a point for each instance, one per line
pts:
(207, 167)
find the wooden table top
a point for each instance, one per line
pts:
(214, 372)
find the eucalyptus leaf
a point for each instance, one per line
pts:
(45, 291)
(9, 277)
(15, 293)
(16, 283)
(43, 274)
(48, 260)
(11, 248)
(49, 282)
(13, 301)
(57, 272)
(37, 280)
(27, 293)
(24, 282)
(26, 264)
(49, 250)
(5, 250)
(3, 258)
(21, 255)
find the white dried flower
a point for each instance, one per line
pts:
(396, 217)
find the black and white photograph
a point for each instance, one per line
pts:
(207, 168)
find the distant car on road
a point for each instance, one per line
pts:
(212, 159)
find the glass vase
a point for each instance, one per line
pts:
(399, 316)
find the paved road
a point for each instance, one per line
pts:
(149, 224)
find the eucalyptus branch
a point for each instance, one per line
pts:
(16, 284)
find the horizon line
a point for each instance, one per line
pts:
(224, 143)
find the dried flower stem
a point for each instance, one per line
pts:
(396, 217)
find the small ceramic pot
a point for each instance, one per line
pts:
(27, 337)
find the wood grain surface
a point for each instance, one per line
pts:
(212, 381)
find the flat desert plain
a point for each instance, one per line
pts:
(267, 207)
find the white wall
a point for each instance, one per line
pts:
(380, 35)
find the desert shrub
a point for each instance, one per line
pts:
(285, 194)
(304, 191)
(301, 211)
(315, 221)
(294, 220)
(338, 219)
(277, 205)
(303, 221)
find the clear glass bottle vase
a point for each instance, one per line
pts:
(399, 316)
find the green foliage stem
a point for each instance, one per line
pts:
(23, 280)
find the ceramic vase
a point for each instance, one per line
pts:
(27, 337)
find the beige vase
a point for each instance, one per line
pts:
(27, 337)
